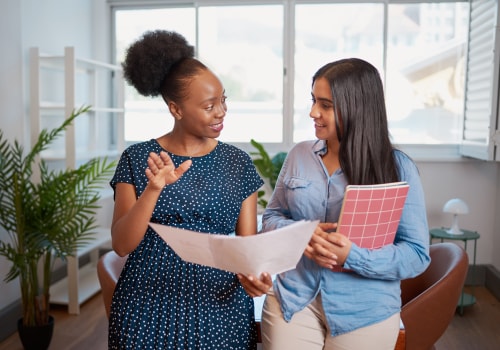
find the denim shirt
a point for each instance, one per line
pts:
(371, 293)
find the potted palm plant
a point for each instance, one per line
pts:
(46, 218)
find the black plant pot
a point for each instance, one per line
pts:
(36, 337)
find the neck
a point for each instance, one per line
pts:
(188, 147)
(331, 158)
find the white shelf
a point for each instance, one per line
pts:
(84, 82)
(81, 282)
(88, 285)
(101, 238)
(91, 83)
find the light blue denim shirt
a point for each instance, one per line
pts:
(305, 191)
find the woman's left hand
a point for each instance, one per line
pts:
(254, 286)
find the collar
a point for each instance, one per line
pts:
(319, 147)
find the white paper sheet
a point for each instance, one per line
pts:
(273, 252)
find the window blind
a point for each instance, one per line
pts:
(482, 78)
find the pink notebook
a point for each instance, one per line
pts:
(370, 214)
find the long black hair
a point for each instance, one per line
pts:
(161, 63)
(366, 153)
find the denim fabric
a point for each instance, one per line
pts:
(371, 293)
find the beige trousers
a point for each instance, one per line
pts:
(308, 330)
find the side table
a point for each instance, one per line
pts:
(442, 234)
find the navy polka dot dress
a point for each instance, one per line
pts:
(162, 302)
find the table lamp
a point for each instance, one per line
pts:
(455, 206)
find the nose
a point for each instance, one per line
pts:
(314, 113)
(220, 110)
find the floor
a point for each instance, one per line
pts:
(477, 329)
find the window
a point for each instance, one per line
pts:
(129, 26)
(241, 44)
(244, 47)
(327, 32)
(266, 52)
(424, 75)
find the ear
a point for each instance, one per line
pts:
(175, 110)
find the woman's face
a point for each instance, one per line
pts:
(322, 110)
(203, 111)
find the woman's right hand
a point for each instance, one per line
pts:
(323, 245)
(161, 170)
(131, 215)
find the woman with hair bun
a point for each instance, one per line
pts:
(187, 179)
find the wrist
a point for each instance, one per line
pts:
(154, 189)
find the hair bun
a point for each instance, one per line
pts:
(149, 59)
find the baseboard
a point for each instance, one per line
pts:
(8, 319)
(484, 275)
(492, 280)
(476, 275)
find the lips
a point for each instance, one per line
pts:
(217, 127)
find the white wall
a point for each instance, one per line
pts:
(53, 24)
(476, 182)
(11, 92)
(11, 106)
(50, 25)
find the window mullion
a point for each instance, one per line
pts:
(288, 72)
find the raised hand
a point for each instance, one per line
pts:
(161, 170)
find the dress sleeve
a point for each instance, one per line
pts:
(251, 178)
(123, 172)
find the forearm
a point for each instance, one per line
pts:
(128, 230)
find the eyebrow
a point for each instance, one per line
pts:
(322, 99)
(214, 98)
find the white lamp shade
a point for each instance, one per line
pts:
(456, 206)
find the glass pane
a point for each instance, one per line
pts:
(243, 46)
(425, 72)
(147, 117)
(325, 33)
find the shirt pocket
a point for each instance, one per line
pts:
(296, 183)
(298, 196)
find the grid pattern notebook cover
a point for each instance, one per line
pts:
(370, 214)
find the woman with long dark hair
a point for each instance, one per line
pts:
(343, 296)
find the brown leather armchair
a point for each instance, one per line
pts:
(429, 300)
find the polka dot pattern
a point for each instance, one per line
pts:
(162, 302)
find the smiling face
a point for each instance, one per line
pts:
(202, 112)
(322, 111)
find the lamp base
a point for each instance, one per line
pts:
(454, 231)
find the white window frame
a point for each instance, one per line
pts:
(486, 150)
